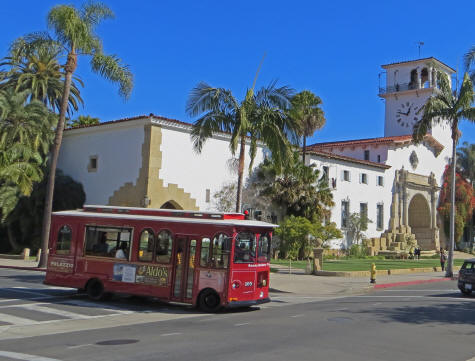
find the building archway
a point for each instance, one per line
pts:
(171, 204)
(419, 220)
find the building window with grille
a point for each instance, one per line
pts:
(326, 173)
(345, 175)
(379, 158)
(364, 214)
(345, 213)
(364, 178)
(92, 165)
(379, 216)
(380, 181)
(366, 155)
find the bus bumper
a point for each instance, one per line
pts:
(236, 304)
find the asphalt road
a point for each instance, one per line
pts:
(424, 322)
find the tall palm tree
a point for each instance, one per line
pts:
(466, 161)
(307, 112)
(260, 117)
(74, 34)
(448, 107)
(469, 59)
(38, 71)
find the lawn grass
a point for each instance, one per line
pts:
(355, 264)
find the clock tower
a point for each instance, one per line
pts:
(408, 86)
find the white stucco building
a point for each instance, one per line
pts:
(150, 161)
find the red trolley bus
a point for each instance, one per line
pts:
(206, 259)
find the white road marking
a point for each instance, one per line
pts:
(342, 309)
(77, 346)
(171, 334)
(377, 303)
(54, 311)
(428, 297)
(295, 316)
(241, 324)
(26, 357)
(14, 320)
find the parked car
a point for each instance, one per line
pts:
(467, 276)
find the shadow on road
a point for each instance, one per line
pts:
(462, 313)
(36, 278)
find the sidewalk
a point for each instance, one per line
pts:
(19, 264)
(309, 285)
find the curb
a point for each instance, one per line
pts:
(389, 272)
(25, 268)
(408, 283)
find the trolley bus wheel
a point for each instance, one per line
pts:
(95, 290)
(209, 301)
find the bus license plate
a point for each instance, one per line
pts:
(468, 286)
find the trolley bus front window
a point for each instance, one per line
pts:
(245, 248)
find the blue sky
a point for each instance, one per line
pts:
(333, 48)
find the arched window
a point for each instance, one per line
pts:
(205, 246)
(63, 244)
(221, 250)
(164, 246)
(146, 244)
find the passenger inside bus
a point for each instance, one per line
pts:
(122, 251)
(101, 247)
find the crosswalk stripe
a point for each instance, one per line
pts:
(54, 311)
(17, 321)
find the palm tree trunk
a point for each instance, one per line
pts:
(304, 148)
(240, 173)
(11, 238)
(70, 68)
(449, 272)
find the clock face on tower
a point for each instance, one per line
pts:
(408, 114)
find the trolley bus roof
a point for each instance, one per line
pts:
(230, 222)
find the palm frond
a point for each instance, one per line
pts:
(110, 67)
(94, 13)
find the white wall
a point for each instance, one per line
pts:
(194, 172)
(357, 192)
(119, 150)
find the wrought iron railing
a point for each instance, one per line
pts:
(401, 87)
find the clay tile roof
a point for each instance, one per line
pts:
(358, 142)
(348, 159)
(131, 119)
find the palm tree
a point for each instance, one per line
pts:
(25, 136)
(305, 110)
(466, 161)
(74, 31)
(448, 107)
(469, 60)
(38, 71)
(82, 120)
(260, 117)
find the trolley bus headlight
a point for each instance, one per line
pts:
(235, 284)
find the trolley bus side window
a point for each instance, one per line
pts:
(146, 246)
(221, 251)
(164, 247)
(63, 243)
(104, 241)
(205, 248)
(263, 254)
(245, 248)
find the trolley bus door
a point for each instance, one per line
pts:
(183, 268)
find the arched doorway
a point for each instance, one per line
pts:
(419, 220)
(170, 205)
